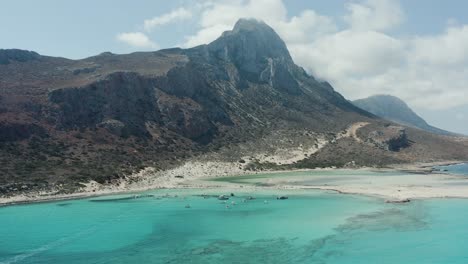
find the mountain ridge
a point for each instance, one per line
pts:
(394, 109)
(64, 123)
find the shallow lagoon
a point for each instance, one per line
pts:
(460, 169)
(327, 177)
(309, 227)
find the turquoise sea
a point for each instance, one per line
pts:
(460, 169)
(309, 227)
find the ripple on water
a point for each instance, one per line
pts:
(316, 228)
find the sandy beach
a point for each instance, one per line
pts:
(411, 181)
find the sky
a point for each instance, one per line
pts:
(416, 50)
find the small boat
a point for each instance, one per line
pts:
(223, 197)
(281, 198)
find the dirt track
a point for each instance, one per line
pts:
(352, 131)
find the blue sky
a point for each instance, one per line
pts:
(79, 29)
(411, 49)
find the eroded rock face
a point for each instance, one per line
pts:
(124, 103)
(243, 80)
(187, 117)
(126, 97)
(196, 99)
(258, 53)
(391, 138)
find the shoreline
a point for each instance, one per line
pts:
(151, 180)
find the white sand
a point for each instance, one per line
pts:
(200, 175)
(393, 188)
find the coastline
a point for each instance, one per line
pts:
(200, 175)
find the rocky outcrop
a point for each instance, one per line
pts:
(113, 126)
(9, 55)
(85, 70)
(391, 138)
(126, 97)
(124, 103)
(258, 54)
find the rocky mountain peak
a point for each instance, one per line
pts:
(250, 24)
(253, 40)
(255, 49)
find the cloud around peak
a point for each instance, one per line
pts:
(360, 57)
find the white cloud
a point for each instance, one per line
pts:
(349, 53)
(136, 39)
(206, 35)
(431, 74)
(305, 27)
(141, 40)
(374, 15)
(450, 48)
(221, 16)
(175, 15)
(228, 12)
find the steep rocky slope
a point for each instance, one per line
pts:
(239, 99)
(394, 109)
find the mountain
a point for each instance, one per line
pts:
(240, 99)
(394, 109)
